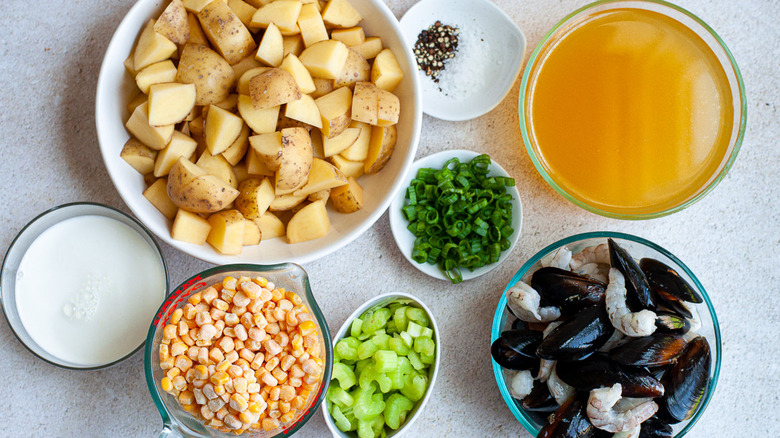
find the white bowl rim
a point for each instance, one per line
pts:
(460, 113)
(210, 255)
(398, 222)
(378, 300)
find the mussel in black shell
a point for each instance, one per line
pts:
(639, 295)
(598, 371)
(671, 323)
(539, 399)
(686, 382)
(516, 349)
(566, 290)
(656, 349)
(666, 282)
(569, 420)
(655, 427)
(578, 337)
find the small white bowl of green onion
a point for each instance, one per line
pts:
(458, 215)
(386, 359)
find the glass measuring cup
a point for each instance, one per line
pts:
(179, 423)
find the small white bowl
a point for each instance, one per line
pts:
(504, 50)
(376, 302)
(405, 239)
(116, 87)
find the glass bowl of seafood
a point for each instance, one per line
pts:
(609, 333)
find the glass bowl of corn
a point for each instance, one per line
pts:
(239, 350)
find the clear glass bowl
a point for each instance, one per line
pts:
(21, 244)
(713, 41)
(638, 248)
(176, 421)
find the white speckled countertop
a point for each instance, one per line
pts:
(51, 55)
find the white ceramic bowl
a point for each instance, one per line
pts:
(496, 65)
(116, 87)
(376, 302)
(405, 239)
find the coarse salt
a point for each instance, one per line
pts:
(467, 73)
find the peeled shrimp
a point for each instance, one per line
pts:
(560, 390)
(633, 433)
(608, 411)
(523, 300)
(545, 365)
(640, 323)
(594, 271)
(559, 259)
(591, 254)
(521, 384)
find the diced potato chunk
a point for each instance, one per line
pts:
(358, 151)
(322, 176)
(260, 120)
(351, 36)
(222, 128)
(304, 110)
(271, 50)
(370, 48)
(173, 24)
(341, 142)
(157, 73)
(254, 198)
(227, 232)
(302, 76)
(386, 73)
(252, 234)
(244, 11)
(347, 198)
(311, 25)
(268, 148)
(273, 87)
(283, 13)
(170, 103)
(152, 47)
(189, 227)
(154, 137)
(349, 168)
(179, 146)
(139, 156)
(340, 13)
(236, 151)
(270, 226)
(365, 103)
(226, 32)
(311, 222)
(381, 147)
(388, 108)
(292, 44)
(157, 194)
(335, 111)
(325, 59)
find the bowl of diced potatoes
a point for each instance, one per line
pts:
(255, 131)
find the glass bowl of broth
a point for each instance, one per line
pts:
(632, 109)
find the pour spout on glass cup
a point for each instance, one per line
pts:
(179, 423)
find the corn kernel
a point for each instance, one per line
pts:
(194, 299)
(219, 378)
(274, 393)
(166, 384)
(238, 402)
(167, 363)
(187, 340)
(164, 354)
(179, 383)
(173, 372)
(306, 327)
(235, 371)
(246, 417)
(280, 375)
(284, 407)
(298, 402)
(209, 294)
(286, 418)
(227, 295)
(176, 316)
(206, 413)
(223, 366)
(231, 319)
(186, 398)
(253, 388)
(226, 344)
(270, 424)
(220, 390)
(229, 282)
(231, 356)
(220, 304)
(216, 355)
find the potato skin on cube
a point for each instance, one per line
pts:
(381, 147)
(226, 31)
(273, 87)
(173, 23)
(211, 74)
(347, 198)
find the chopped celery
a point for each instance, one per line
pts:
(342, 422)
(398, 345)
(390, 328)
(344, 374)
(396, 408)
(339, 396)
(424, 346)
(371, 374)
(378, 424)
(367, 349)
(418, 316)
(377, 320)
(415, 361)
(362, 364)
(385, 360)
(414, 330)
(354, 329)
(426, 333)
(427, 359)
(414, 389)
(408, 340)
(381, 339)
(366, 407)
(400, 318)
(347, 348)
(365, 429)
(405, 366)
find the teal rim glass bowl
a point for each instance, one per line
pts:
(179, 423)
(638, 248)
(713, 41)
